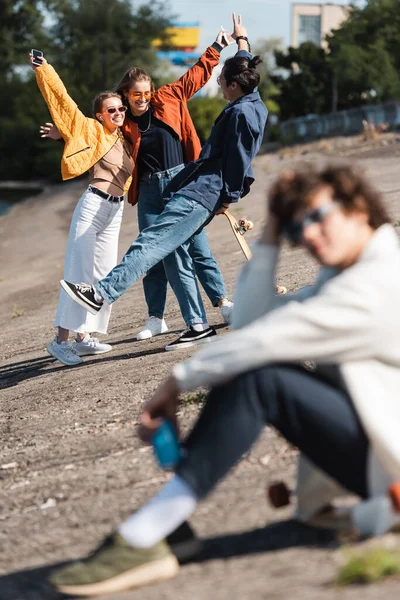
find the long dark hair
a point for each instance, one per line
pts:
(243, 71)
(131, 76)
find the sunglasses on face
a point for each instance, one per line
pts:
(114, 109)
(139, 95)
(293, 231)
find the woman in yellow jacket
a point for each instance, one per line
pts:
(95, 145)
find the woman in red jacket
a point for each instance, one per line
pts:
(164, 139)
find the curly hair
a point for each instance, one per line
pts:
(294, 189)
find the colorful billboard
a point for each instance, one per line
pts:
(183, 37)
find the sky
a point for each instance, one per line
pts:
(262, 18)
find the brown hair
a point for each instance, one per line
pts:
(132, 76)
(294, 189)
(243, 71)
(97, 103)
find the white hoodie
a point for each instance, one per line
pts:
(351, 318)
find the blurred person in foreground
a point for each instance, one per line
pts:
(343, 413)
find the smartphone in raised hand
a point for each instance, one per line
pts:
(37, 57)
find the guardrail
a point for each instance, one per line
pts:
(340, 123)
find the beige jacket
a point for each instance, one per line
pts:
(351, 318)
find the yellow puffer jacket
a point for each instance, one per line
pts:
(86, 139)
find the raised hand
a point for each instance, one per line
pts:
(224, 39)
(238, 28)
(36, 66)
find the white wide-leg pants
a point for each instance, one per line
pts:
(91, 254)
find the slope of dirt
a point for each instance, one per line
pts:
(71, 466)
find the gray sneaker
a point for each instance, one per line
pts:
(114, 567)
(90, 345)
(64, 352)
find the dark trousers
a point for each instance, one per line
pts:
(312, 414)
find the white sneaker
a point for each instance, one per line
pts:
(226, 311)
(153, 326)
(64, 352)
(90, 345)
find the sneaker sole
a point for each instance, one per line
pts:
(159, 570)
(189, 344)
(78, 300)
(67, 364)
(88, 353)
(147, 337)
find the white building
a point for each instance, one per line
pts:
(312, 22)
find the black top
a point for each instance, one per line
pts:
(160, 148)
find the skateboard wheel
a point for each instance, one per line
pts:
(245, 224)
(278, 494)
(280, 289)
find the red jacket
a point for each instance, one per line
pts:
(169, 104)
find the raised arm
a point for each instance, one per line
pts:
(198, 75)
(64, 111)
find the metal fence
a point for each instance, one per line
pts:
(340, 123)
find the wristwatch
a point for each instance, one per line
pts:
(243, 37)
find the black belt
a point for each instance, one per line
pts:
(104, 195)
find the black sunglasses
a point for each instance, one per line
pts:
(293, 231)
(112, 109)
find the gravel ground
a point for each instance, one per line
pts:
(71, 466)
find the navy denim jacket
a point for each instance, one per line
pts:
(223, 172)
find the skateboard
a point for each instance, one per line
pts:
(239, 228)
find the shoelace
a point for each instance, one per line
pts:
(90, 341)
(69, 351)
(185, 331)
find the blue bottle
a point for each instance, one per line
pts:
(167, 449)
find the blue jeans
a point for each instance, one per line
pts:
(168, 239)
(150, 205)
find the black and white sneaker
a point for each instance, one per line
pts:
(190, 337)
(83, 294)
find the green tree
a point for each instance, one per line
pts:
(307, 88)
(90, 42)
(95, 41)
(204, 111)
(365, 54)
(269, 91)
(21, 26)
